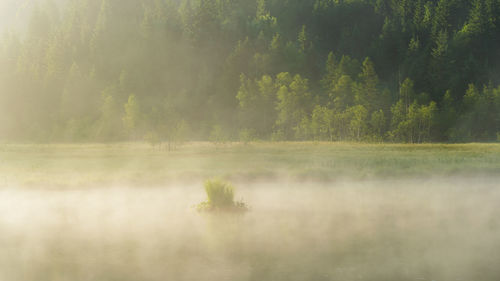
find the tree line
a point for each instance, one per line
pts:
(325, 70)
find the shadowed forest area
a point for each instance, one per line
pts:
(220, 70)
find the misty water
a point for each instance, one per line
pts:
(420, 229)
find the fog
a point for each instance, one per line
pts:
(439, 229)
(114, 112)
(14, 14)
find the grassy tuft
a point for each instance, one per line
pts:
(220, 196)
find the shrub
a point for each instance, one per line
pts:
(220, 196)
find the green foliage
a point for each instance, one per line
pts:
(132, 115)
(322, 123)
(357, 125)
(256, 102)
(415, 125)
(293, 96)
(217, 135)
(220, 194)
(193, 66)
(247, 135)
(441, 44)
(378, 124)
(407, 93)
(152, 138)
(367, 94)
(220, 197)
(342, 95)
(480, 113)
(110, 125)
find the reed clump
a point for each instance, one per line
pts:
(220, 197)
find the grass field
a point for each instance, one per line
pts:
(140, 165)
(317, 212)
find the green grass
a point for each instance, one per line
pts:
(220, 194)
(83, 165)
(220, 197)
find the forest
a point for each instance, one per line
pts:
(243, 70)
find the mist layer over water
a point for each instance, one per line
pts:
(380, 230)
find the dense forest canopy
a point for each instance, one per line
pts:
(330, 70)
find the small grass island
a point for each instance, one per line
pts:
(220, 198)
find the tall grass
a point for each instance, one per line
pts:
(220, 194)
(137, 164)
(220, 197)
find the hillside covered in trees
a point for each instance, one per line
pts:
(329, 70)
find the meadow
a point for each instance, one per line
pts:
(141, 165)
(317, 211)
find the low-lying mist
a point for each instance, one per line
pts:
(440, 229)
